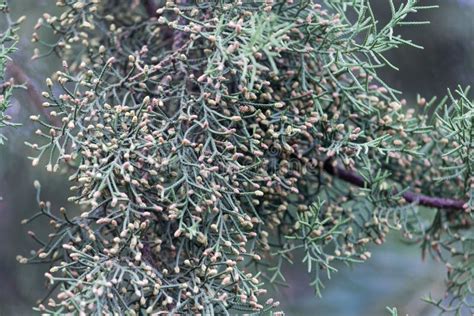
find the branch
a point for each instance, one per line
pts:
(179, 37)
(21, 78)
(409, 196)
(150, 7)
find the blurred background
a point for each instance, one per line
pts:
(395, 276)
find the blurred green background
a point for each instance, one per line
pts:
(395, 276)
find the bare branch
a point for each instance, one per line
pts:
(150, 7)
(21, 78)
(410, 196)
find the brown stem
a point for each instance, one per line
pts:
(150, 7)
(179, 37)
(21, 78)
(409, 196)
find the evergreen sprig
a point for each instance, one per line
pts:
(8, 40)
(207, 141)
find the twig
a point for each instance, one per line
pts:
(21, 78)
(179, 36)
(409, 196)
(150, 7)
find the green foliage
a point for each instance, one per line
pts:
(207, 144)
(8, 40)
(393, 311)
(450, 236)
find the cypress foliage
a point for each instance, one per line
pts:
(209, 141)
(8, 40)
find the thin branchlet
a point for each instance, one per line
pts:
(411, 197)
